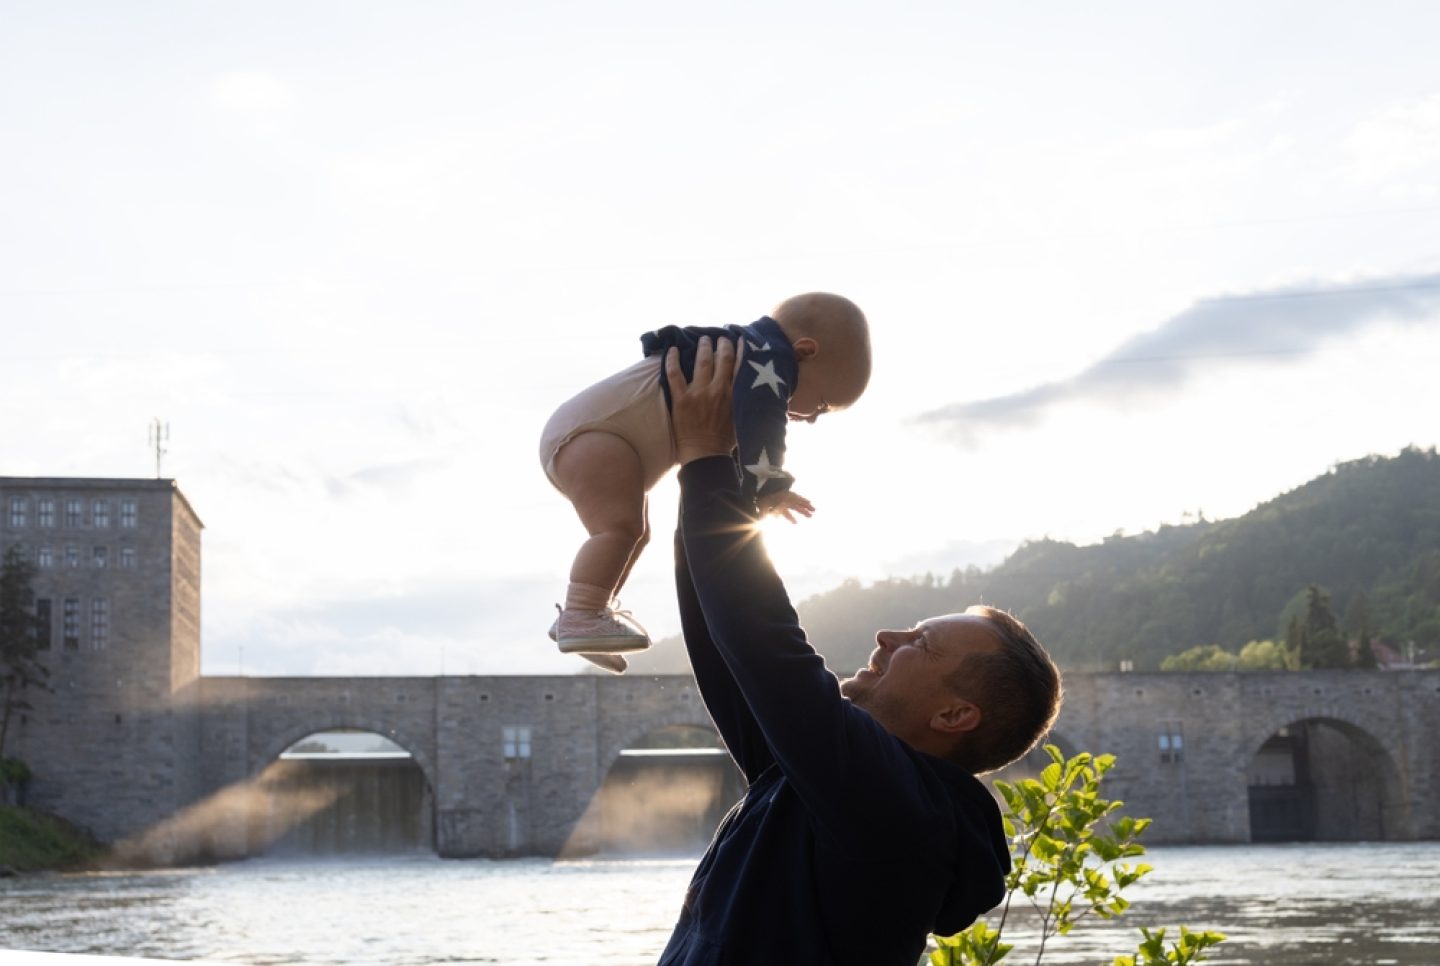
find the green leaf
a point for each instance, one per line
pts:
(1045, 847)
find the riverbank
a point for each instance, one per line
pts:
(32, 841)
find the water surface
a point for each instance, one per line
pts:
(1281, 904)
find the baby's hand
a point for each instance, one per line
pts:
(787, 503)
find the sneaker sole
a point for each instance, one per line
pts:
(602, 645)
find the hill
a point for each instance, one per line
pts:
(1368, 531)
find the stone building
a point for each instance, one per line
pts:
(118, 594)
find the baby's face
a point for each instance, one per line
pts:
(818, 391)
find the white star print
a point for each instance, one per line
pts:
(767, 376)
(765, 470)
(757, 348)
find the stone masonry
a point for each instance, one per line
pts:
(136, 745)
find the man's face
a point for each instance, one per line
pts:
(904, 685)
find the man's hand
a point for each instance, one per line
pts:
(787, 503)
(700, 413)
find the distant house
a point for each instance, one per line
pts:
(1387, 657)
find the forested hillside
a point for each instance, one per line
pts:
(1368, 532)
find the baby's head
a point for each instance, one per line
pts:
(832, 343)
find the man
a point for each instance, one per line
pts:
(863, 827)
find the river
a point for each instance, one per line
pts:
(1281, 905)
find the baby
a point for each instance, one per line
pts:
(605, 448)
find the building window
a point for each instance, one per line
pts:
(516, 742)
(70, 624)
(74, 512)
(1172, 742)
(100, 513)
(45, 513)
(17, 511)
(127, 558)
(100, 556)
(44, 558)
(72, 556)
(127, 514)
(42, 622)
(99, 624)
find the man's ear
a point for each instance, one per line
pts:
(805, 347)
(957, 717)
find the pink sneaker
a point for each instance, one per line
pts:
(598, 632)
(614, 663)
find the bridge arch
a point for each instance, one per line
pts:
(1320, 775)
(635, 731)
(284, 737)
(666, 788)
(323, 805)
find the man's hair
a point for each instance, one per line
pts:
(1017, 688)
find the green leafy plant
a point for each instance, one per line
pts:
(1071, 861)
(1153, 951)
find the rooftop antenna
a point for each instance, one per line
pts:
(159, 436)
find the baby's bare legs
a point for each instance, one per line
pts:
(604, 479)
(602, 476)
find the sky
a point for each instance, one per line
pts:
(1124, 263)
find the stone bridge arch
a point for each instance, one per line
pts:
(307, 805)
(270, 747)
(630, 709)
(1323, 773)
(651, 798)
(1268, 716)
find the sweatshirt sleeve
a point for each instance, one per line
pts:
(764, 381)
(860, 784)
(727, 707)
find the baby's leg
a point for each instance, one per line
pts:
(601, 475)
(639, 545)
(604, 479)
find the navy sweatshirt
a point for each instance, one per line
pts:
(849, 846)
(764, 382)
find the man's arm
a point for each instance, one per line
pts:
(723, 700)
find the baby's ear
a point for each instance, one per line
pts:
(806, 347)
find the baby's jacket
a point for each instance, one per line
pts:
(764, 381)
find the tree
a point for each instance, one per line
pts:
(20, 665)
(1325, 646)
(1357, 615)
(1265, 656)
(1206, 657)
(1365, 658)
(1296, 643)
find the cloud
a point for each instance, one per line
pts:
(1284, 324)
(404, 627)
(392, 479)
(1402, 142)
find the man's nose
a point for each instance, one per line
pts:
(889, 639)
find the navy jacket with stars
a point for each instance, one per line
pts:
(763, 385)
(849, 845)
